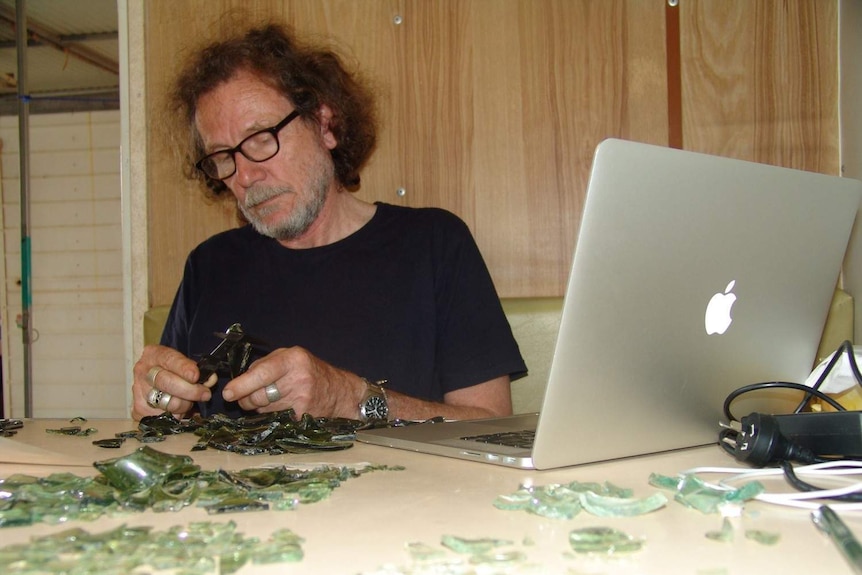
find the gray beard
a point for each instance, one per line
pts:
(295, 224)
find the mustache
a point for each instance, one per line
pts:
(256, 196)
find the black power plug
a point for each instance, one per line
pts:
(805, 437)
(759, 442)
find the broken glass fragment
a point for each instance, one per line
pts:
(8, 427)
(201, 547)
(149, 479)
(499, 559)
(566, 501)
(268, 433)
(605, 506)
(603, 540)
(725, 534)
(143, 468)
(763, 537)
(75, 430)
(472, 546)
(111, 443)
(235, 504)
(693, 492)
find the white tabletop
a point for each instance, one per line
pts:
(368, 521)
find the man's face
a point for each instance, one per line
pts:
(281, 197)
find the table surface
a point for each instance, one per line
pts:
(368, 521)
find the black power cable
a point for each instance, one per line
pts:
(799, 485)
(846, 347)
(760, 441)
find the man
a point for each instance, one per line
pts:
(346, 292)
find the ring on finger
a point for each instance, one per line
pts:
(164, 400)
(158, 399)
(151, 375)
(153, 397)
(272, 393)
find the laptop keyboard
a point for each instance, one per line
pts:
(523, 438)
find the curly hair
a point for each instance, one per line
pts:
(307, 75)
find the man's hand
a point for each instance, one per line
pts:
(167, 371)
(295, 378)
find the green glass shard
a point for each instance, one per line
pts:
(236, 503)
(520, 500)
(499, 559)
(275, 433)
(199, 548)
(111, 443)
(745, 492)
(142, 468)
(472, 546)
(664, 482)
(693, 492)
(566, 501)
(151, 437)
(150, 479)
(603, 540)
(463, 556)
(74, 430)
(423, 552)
(764, 537)
(284, 546)
(605, 506)
(8, 427)
(269, 433)
(614, 491)
(725, 534)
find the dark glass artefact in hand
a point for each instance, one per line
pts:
(233, 354)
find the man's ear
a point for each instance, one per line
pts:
(324, 120)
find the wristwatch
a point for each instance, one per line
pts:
(374, 405)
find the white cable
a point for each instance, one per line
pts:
(806, 499)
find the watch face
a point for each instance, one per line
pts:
(375, 408)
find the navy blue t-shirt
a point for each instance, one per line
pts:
(407, 298)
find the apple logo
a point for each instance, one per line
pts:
(718, 318)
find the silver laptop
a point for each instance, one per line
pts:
(853, 275)
(693, 275)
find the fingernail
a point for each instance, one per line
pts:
(227, 394)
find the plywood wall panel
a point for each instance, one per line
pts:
(761, 81)
(566, 76)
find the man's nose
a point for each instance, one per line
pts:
(247, 171)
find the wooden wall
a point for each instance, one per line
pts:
(492, 108)
(761, 81)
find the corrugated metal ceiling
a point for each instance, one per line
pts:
(72, 55)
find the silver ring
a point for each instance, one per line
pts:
(272, 393)
(158, 399)
(151, 375)
(153, 398)
(164, 400)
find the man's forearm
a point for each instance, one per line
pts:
(489, 399)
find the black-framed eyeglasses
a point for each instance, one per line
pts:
(258, 147)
